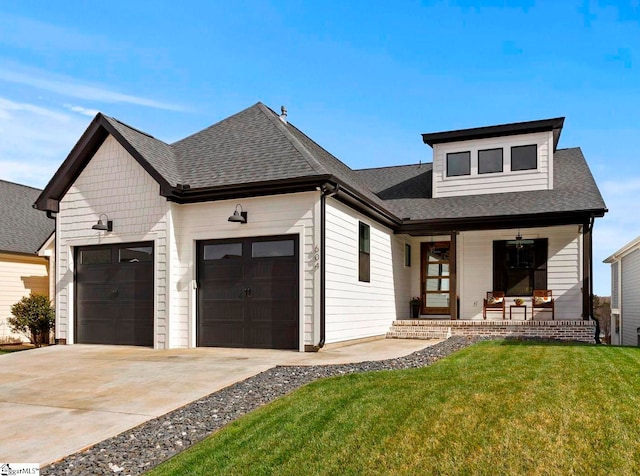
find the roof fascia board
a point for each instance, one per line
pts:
(90, 141)
(496, 131)
(419, 227)
(624, 251)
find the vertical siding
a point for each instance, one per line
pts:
(19, 277)
(505, 181)
(356, 309)
(113, 183)
(615, 287)
(563, 269)
(630, 298)
(272, 215)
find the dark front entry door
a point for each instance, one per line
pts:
(248, 292)
(114, 294)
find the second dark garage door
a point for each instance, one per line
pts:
(114, 294)
(248, 292)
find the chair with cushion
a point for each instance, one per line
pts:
(493, 302)
(543, 301)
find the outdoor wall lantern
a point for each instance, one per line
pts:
(103, 225)
(238, 216)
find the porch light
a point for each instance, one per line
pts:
(103, 225)
(238, 216)
(519, 240)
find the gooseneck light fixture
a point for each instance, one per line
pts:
(239, 215)
(103, 225)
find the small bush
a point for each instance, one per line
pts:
(34, 317)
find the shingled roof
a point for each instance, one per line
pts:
(574, 190)
(23, 229)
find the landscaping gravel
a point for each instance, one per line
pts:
(138, 450)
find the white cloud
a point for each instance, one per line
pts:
(70, 87)
(82, 110)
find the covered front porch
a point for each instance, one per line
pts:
(458, 274)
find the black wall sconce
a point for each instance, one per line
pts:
(103, 225)
(238, 216)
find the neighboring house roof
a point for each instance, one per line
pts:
(622, 252)
(23, 228)
(254, 153)
(574, 190)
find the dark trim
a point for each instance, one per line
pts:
(521, 147)
(323, 279)
(468, 152)
(514, 128)
(453, 275)
(447, 225)
(501, 149)
(88, 144)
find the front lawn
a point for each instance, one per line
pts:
(493, 408)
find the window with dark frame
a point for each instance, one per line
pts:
(407, 255)
(364, 256)
(520, 266)
(490, 161)
(458, 163)
(524, 157)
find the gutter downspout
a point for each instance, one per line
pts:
(328, 190)
(590, 229)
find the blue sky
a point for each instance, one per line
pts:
(363, 79)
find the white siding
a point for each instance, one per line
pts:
(630, 297)
(19, 276)
(295, 214)
(475, 270)
(357, 309)
(505, 181)
(115, 184)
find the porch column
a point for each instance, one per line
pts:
(587, 251)
(453, 281)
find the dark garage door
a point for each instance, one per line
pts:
(248, 293)
(114, 294)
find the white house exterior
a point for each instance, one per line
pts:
(625, 299)
(152, 247)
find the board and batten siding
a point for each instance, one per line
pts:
(19, 276)
(630, 297)
(115, 184)
(564, 275)
(505, 181)
(290, 214)
(357, 309)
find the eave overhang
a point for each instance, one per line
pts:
(448, 225)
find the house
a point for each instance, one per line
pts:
(250, 234)
(625, 300)
(23, 230)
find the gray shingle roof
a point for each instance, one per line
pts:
(23, 229)
(574, 190)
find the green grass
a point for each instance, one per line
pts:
(493, 408)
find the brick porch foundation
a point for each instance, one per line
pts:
(578, 330)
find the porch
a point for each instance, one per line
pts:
(563, 330)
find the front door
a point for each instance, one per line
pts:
(434, 272)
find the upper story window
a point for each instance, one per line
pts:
(489, 161)
(524, 157)
(458, 163)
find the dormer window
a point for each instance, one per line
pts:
(489, 161)
(524, 157)
(458, 163)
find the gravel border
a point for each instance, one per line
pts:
(135, 451)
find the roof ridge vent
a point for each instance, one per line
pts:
(283, 115)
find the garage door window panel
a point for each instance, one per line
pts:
(95, 257)
(223, 251)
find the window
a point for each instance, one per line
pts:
(222, 251)
(272, 249)
(407, 255)
(458, 163)
(364, 257)
(520, 266)
(524, 157)
(489, 161)
(99, 256)
(137, 254)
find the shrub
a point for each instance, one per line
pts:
(34, 317)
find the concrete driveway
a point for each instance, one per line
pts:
(58, 400)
